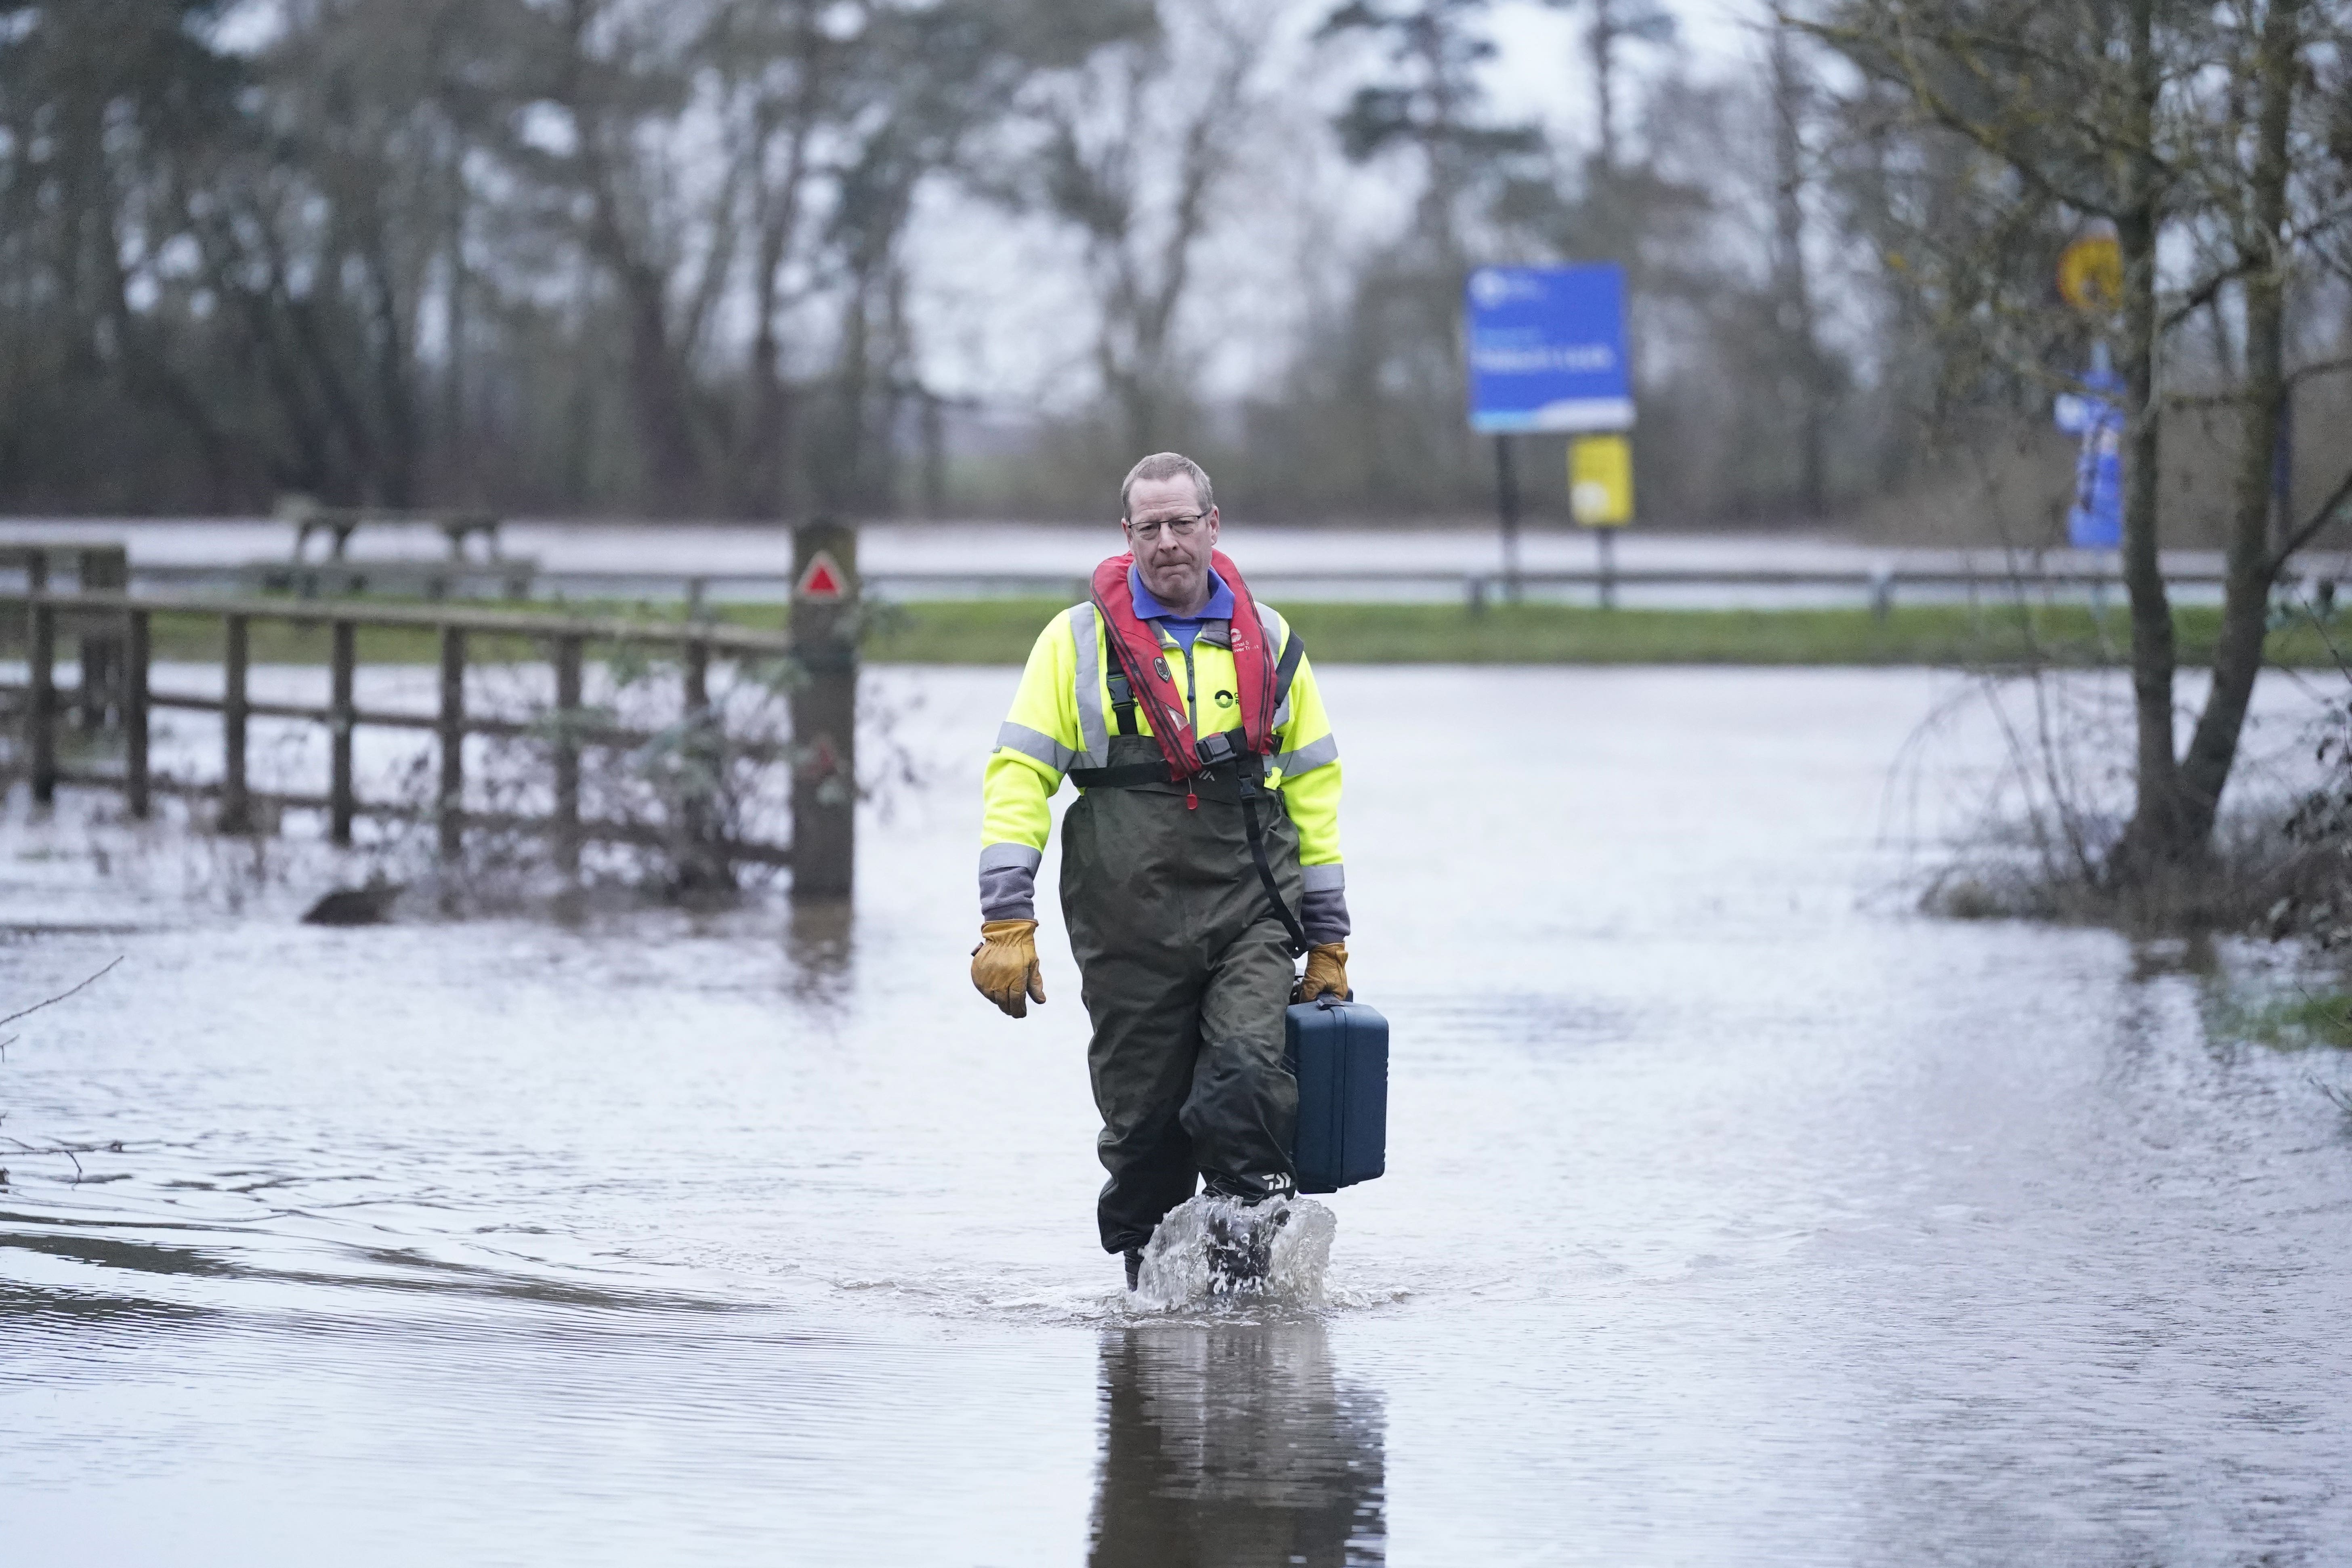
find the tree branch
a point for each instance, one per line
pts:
(2319, 367)
(2319, 519)
(61, 996)
(2222, 399)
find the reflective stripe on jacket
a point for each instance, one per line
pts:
(1062, 719)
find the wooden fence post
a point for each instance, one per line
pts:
(103, 569)
(705, 865)
(342, 803)
(567, 755)
(236, 810)
(138, 654)
(41, 696)
(825, 709)
(451, 806)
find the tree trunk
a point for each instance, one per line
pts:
(394, 481)
(660, 382)
(1601, 43)
(2246, 609)
(455, 471)
(656, 382)
(2157, 835)
(760, 482)
(1792, 285)
(756, 483)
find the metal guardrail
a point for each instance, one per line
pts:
(1880, 587)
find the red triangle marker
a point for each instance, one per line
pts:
(824, 579)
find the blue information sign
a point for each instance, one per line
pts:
(2096, 520)
(1548, 349)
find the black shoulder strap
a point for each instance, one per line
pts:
(1122, 699)
(1288, 670)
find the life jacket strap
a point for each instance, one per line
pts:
(1122, 702)
(1130, 776)
(1227, 749)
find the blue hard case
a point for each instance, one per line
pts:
(1339, 1051)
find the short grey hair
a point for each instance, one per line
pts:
(1167, 466)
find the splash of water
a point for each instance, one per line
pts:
(1189, 1261)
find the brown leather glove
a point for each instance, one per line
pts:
(1005, 965)
(1327, 969)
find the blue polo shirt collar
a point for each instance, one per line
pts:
(1220, 607)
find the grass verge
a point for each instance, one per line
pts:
(2293, 1022)
(1000, 631)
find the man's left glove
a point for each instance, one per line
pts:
(1005, 965)
(1327, 969)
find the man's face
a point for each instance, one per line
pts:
(1174, 566)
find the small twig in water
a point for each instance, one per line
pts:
(62, 995)
(70, 1151)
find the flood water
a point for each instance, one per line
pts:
(1734, 1214)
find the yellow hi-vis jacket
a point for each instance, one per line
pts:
(1060, 721)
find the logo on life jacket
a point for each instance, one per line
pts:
(1224, 698)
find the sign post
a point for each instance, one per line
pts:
(1600, 498)
(1547, 351)
(1506, 507)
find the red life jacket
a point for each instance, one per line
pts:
(1135, 646)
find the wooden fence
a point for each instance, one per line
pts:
(114, 632)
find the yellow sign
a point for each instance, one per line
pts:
(1600, 481)
(2091, 273)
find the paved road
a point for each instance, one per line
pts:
(1286, 555)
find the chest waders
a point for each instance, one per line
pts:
(1185, 959)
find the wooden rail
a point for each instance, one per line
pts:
(115, 631)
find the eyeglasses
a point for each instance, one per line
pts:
(1177, 527)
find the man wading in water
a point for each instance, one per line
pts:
(1200, 859)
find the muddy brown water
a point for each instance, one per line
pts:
(1735, 1215)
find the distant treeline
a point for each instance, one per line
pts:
(702, 258)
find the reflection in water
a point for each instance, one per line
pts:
(818, 942)
(2153, 958)
(1234, 1444)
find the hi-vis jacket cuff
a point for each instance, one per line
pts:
(1323, 903)
(1008, 882)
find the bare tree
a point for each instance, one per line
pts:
(1431, 99)
(1614, 22)
(2133, 114)
(1792, 294)
(1136, 147)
